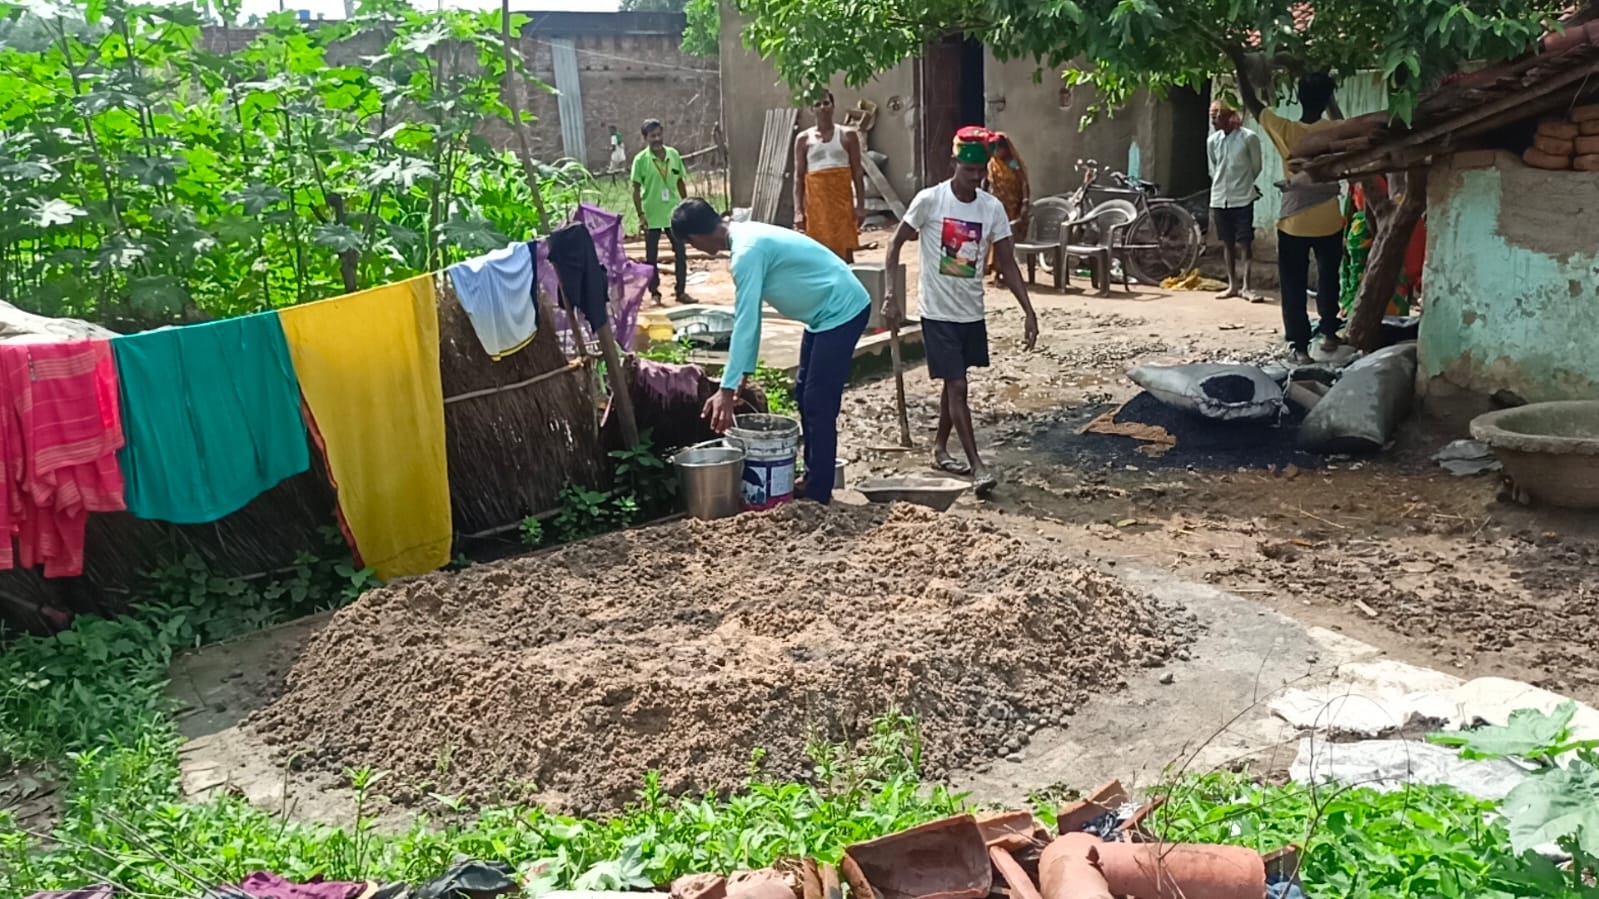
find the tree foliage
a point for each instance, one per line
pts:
(1120, 46)
(155, 175)
(703, 31)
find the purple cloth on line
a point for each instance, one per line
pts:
(628, 281)
(103, 891)
(263, 885)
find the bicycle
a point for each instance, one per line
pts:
(1164, 239)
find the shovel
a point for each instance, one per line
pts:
(899, 381)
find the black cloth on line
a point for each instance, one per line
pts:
(577, 267)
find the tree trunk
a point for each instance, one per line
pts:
(1387, 263)
(508, 88)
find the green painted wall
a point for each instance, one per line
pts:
(1511, 284)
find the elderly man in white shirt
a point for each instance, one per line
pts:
(1233, 154)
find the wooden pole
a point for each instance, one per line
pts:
(899, 383)
(508, 89)
(618, 378)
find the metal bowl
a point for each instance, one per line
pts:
(934, 493)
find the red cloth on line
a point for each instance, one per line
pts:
(60, 429)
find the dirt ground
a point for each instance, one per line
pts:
(1439, 570)
(1388, 554)
(566, 677)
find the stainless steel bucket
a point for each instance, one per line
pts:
(710, 477)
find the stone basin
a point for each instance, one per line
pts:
(1549, 450)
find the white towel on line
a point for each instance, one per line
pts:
(496, 290)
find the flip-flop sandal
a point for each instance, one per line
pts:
(985, 488)
(951, 466)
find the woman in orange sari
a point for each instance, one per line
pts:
(829, 182)
(1007, 180)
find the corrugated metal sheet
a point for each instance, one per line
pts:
(1357, 95)
(570, 100)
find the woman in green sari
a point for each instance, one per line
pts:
(1358, 238)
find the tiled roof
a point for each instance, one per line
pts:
(1463, 105)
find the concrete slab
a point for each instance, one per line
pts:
(1206, 712)
(780, 343)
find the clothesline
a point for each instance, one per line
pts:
(198, 448)
(568, 368)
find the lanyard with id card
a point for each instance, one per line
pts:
(666, 186)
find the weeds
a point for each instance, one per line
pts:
(1422, 841)
(532, 531)
(677, 352)
(779, 390)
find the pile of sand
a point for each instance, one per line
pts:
(683, 648)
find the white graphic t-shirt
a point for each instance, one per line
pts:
(955, 238)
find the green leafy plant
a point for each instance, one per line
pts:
(644, 481)
(155, 179)
(1415, 842)
(1559, 801)
(584, 513)
(779, 389)
(1527, 733)
(676, 352)
(532, 531)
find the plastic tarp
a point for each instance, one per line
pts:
(1361, 412)
(1219, 391)
(1387, 765)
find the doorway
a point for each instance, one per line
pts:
(949, 90)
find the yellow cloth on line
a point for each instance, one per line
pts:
(368, 365)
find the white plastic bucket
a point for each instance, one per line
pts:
(771, 446)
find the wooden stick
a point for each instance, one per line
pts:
(618, 379)
(899, 384)
(1341, 527)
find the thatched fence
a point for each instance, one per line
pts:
(517, 431)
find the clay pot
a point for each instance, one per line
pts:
(1182, 871)
(942, 860)
(1070, 869)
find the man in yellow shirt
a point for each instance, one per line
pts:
(1311, 222)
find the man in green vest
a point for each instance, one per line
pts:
(659, 182)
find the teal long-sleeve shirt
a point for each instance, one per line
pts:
(797, 276)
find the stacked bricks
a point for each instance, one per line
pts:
(1568, 143)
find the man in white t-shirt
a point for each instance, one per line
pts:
(956, 223)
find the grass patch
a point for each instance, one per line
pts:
(615, 193)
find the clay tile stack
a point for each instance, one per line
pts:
(1102, 851)
(1008, 856)
(1568, 143)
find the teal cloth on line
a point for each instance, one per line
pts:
(212, 417)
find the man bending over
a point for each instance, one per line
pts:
(803, 281)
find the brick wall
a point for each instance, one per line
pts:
(625, 79)
(630, 68)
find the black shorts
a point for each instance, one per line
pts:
(953, 347)
(1235, 225)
